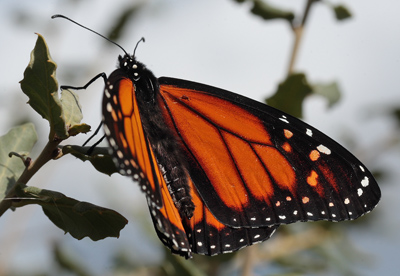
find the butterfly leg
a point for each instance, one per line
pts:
(102, 75)
(94, 134)
(90, 150)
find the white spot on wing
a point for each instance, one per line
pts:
(112, 142)
(109, 107)
(359, 192)
(283, 119)
(106, 130)
(323, 149)
(107, 93)
(309, 132)
(365, 182)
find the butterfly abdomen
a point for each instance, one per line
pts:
(169, 157)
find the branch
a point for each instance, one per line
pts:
(298, 34)
(49, 152)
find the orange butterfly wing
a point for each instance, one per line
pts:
(135, 157)
(254, 166)
(124, 131)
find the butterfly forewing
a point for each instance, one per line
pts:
(257, 166)
(124, 132)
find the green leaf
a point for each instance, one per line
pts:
(76, 129)
(72, 110)
(268, 12)
(100, 158)
(291, 94)
(41, 86)
(19, 139)
(341, 12)
(72, 113)
(330, 91)
(80, 219)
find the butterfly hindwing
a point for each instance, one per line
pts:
(202, 233)
(255, 166)
(210, 237)
(167, 220)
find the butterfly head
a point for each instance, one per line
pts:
(131, 66)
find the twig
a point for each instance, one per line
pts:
(247, 268)
(49, 152)
(298, 34)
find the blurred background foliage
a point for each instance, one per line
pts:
(319, 248)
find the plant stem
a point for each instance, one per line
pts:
(298, 34)
(249, 258)
(49, 152)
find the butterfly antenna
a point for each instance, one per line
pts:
(80, 25)
(137, 44)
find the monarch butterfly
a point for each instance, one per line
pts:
(221, 171)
